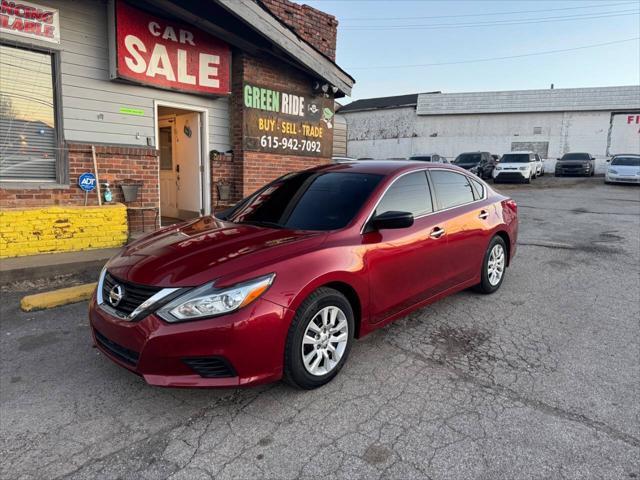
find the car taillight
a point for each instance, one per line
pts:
(511, 203)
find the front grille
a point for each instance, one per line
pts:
(123, 354)
(210, 367)
(509, 176)
(134, 294)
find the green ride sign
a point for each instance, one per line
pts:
(287, 123)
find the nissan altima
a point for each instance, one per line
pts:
(282, 284)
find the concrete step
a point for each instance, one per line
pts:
(36, 267)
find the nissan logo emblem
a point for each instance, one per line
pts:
(116, 294)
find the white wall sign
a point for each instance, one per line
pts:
(30, 20)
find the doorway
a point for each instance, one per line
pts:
(182, 184)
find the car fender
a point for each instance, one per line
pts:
(299, 277)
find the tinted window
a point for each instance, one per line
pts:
(451, 188)
(424, 158)
(576, 156)
(478, 189)
(410, 193)
(467, 158)
(307, 201)
(515, 158)
(626, 161)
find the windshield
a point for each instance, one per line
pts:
(468, 158)
(307, 201)
(424, 158)
(626, 161)
(576, 156)
(515, 158)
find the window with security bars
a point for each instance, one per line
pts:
(28, 137)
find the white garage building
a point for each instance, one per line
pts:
(601, 121)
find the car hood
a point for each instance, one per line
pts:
(625, 169)
(192, 253)
(572, 163)
(466, 166)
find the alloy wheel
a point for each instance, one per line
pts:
(495, 265)
(325, 340)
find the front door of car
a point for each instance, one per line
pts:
(467, 221)
(405, 265)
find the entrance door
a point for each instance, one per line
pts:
(181, 172)
(168, 179)
(188, 162)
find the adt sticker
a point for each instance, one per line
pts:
(87, 181)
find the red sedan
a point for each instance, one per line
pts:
(281, 284)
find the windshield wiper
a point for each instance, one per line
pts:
(262, 223)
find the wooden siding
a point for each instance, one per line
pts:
(91, 101)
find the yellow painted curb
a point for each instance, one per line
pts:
(57, 298)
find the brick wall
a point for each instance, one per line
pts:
(61, 229)
(115, 163)
(247, 170)
(314, 26)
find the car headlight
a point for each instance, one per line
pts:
(611, 170)
(524, 168)
(209, 301)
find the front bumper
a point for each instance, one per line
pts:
(510, 176)
(242, 348)
(611, 178)
(573, 170)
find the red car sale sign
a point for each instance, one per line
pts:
(168, 54)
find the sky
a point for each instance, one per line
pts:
(379, 40)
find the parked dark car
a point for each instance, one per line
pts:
(283, 284)
(468, 160)
(485, 168)
(576, 164)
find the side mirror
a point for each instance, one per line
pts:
(608, 160)
(389, 220)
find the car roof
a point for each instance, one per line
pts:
(520, 151)
(383, 167)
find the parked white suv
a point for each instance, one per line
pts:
(517, 167)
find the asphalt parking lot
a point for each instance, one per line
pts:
(540, 380)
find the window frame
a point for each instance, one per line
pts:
(431, 197)
(434, 199)
(62, 158)
(469, 179)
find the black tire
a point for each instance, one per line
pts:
(528, 180)
(593, 172)
(295, 373)
(485, 285)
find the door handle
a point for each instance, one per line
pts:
(483, 215)
(437, 232)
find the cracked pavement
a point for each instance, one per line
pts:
(540, 380)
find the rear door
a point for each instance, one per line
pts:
(467, 219)
(405, 265)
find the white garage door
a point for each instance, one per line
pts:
(624, 136)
